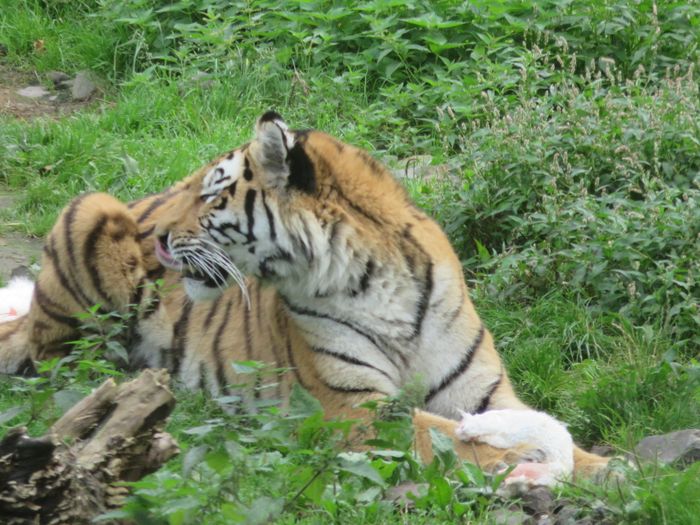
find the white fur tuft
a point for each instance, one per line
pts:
(15, 298)
(510, 428)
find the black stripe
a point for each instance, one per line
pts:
(424, 300)
(264, 265)
(220, 361)
(455, 314)
(202, 380)
(369, 270)
(351, 390)
(157, 203)
(270, 217)
(349, 359)
(247, 333)
(204, 197)
(247, 172)
(305, 311)
(307, 247)
(358, 208)
(222, 204)
(258, 307)
(142, 235)
(461, 367)
(156, 273)
(373, 164)
(89, 257)
(135, 203)
(248, 206)
(78, 296)
(487, 398)
(68, 219)
(427, 280)
(49, 308)
(334, 232)
(179, 337)
(232, 188)
(292, 363)
(311, 313)
(364, 280)
(212, 312)
(18, 323)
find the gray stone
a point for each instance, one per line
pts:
(510, 517)
(538, 501)
(566, 515)
(603, 450)
(21, 271)
(32, 92)
(83, 87)
(681, 447)
(58, 78)
(400, 493)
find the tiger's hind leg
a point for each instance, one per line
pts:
(91, 257)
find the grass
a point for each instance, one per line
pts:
(533, 129)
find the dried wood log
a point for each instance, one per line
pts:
(68, 476)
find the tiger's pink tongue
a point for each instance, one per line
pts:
(164, 257)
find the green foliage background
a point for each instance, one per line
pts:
(570, 134)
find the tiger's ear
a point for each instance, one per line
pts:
(271, 148)
(281, 157)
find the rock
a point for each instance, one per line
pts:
(510, 517)
(566, 515)
(21, 271)
(538, 501)
(603, 450)
(58, 78)
(32, 92)
(399, 493)
(681, 447)
(420, 167)
(198, 81)
(83, 86)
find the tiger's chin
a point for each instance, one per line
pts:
(199, 290)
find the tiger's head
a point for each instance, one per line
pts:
(299, 209)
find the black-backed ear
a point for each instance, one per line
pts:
(271, 147)
(282, 158)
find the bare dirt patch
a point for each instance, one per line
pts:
(16, 250)
(54, 105)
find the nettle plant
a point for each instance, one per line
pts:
(263, 464)
(592, 188)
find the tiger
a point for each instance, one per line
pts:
(295, 249)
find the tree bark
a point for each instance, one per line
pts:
(68, 476)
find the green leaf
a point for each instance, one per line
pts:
(359, 465)
(441, 491)
(443, 448)
(247, 367)
(302, 403)
(264, 510)
(11, 413)
(194, 457)
(119, 350)
(66, 398)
